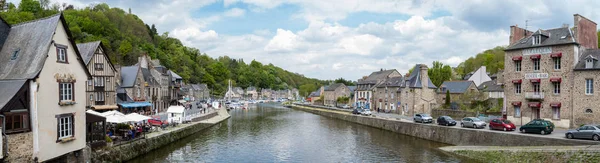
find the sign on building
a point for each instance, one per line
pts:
(540, 50)
(536, 75)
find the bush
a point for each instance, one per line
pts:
(108, 139)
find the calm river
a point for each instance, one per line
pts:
(272, 133)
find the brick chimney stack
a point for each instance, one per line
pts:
(585, 32)
(517, 34)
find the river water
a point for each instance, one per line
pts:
(272, 133)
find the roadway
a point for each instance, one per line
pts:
(558, 133)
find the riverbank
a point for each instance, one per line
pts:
(447, 135)
(528, 154)
(158, 139)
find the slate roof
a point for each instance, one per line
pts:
(375, 76)
(314, 94)
(87, 50)
(456, 86)
(149, 78)
(393, 82)
(195, 87)
(351, 88)
(238, 90)
(334, 86)
(31, 41)
(593, 53)
(9, 89)
(203, 87)
(490, 86)
(555, 38)
(174, 75)
(414, 80)
(128, 76)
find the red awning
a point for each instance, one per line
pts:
(535, 104)
(517, 58)
(556, 55)
(516, 103)
(534, 80)
(555, 104)
(517, 81)
(536, 56)
(555, 80)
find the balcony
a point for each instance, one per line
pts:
(534, 95)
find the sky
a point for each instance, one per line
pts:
(329, 39)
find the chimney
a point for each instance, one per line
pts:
(517, 34)
(585, 32)
(424, 76)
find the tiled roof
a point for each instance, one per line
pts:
(375, 76)
(352, 88)
(9, 89)
(87, 50)
(393, 82)
(414, 80)
(556, 36)
(334, 86)
(457, 86)
(149, 78)
(490, 86)
(589, 53)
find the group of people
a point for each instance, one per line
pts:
(134, 130)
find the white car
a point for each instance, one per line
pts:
(346, 106)
(365, 112)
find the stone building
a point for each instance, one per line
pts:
(417, 95)
(539, 73)
(457, 90)
(363, 95)
(333, 92)
(101, 90)
(585, 83)
(251, 93)
(386, 94)
(42, 81)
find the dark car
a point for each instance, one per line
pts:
(538, 126)
(446, 121)
(585, 132)
(502, 124)
(355, 111)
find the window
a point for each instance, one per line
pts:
(517, 111)
(65, 126)
(138, 93)
(589, 86)
(589, 63)
(90, 82)
(536, 88)
(537, 39)
(555, 113)
(518, 88)
(556, 88)
(61, 54)
(17, 121)
(66, 92)
(99, 81)
(556, 63)
(517, 66)
(536, 64)
(100, 96)
(99, 66)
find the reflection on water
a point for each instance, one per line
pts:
(271, 133)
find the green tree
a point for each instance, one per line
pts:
(438, 73)
(344, 81)
(31, 6)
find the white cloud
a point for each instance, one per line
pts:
(361, 44)
(283, 41)
(235, 12)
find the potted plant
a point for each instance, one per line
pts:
(109, 141)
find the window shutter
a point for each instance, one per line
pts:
(57, 128)
(73, 91)
(73, 125)
(59, 92)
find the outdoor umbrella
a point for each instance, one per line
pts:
(137, 117)
(115, 118)
(112, 112)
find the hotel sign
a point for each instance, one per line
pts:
(540, 50)
(536, 76)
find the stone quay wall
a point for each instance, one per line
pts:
(137, 148)
(448, 135)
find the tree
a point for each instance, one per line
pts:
(344, 81)
(447, 104)
(31, 6)
(438, 73)
(493, 59)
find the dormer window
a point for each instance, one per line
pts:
(537, 39)
(589, 63)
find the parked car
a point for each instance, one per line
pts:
(155, 122)
(365, 112)
(446, 121)
(356, 111)
(502, 124)
(472, 122)
(538, 126)
(585, 132)
(423, 118)
(346, 106)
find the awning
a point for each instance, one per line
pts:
(135, 104)
(535, 56)
(555, 80)
(556, 55)
(182, 101)
(105, 107)
(517, 58)
(91, 118)
(555, 104)
(517, 81)
(535, 104)
(516, 103)
(534, 80)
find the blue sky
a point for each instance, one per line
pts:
(328, 39)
